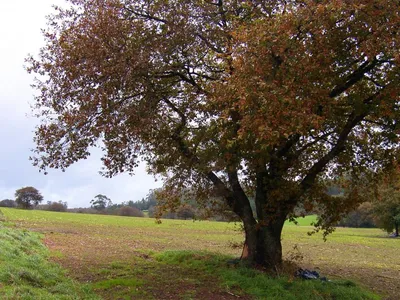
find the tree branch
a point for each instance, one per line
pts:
(353, 78)
(309, 179)
(315, 141)
(145, 15)
(241, 205)
(219, 185)
(211, 46)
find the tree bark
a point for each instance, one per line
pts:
(263, 245)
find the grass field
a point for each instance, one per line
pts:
(135, 258)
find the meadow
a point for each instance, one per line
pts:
(116, 257)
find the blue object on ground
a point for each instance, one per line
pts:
(307, 274)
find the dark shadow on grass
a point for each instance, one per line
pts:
(260, 285)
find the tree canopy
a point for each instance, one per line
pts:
(28, 197)
(227, 98)
(100, 202)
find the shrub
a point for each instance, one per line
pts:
(54, 206)
(58, 206)
(128, 211)
(83, 210)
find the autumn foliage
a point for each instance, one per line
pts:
(228, 99)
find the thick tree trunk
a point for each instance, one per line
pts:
(263, 245)
(397, 230)
(263, 236)
(263, 241)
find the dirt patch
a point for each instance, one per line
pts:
(91, 260)
(172, 282)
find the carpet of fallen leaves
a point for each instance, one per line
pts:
(93, 248)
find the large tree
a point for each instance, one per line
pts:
(230, 99)
(28, 197)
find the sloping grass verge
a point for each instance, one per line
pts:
(261, 286)
(26, 273)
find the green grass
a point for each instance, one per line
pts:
(101, 249)
(119, 288)
(117, 282)
(18, 215)
(303, 221)
(259, 285)
(26, 273)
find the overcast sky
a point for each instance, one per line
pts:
(20, 24)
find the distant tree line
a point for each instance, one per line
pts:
(8, 203)
(383, 209)
(59, 206)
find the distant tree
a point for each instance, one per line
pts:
(362, 217)
(8, 203)
(387, 215)
(151, 199)
(28, 197)
(112, 208)
(144, 203)
(185, 212)
(100, 202)
(386, 210)
(151, 211)
(131, 203)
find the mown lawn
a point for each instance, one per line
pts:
(132, 256)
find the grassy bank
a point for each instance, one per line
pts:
(26, 273)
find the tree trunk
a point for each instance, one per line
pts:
(263, 236)
(263, 245)
(397, 229)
